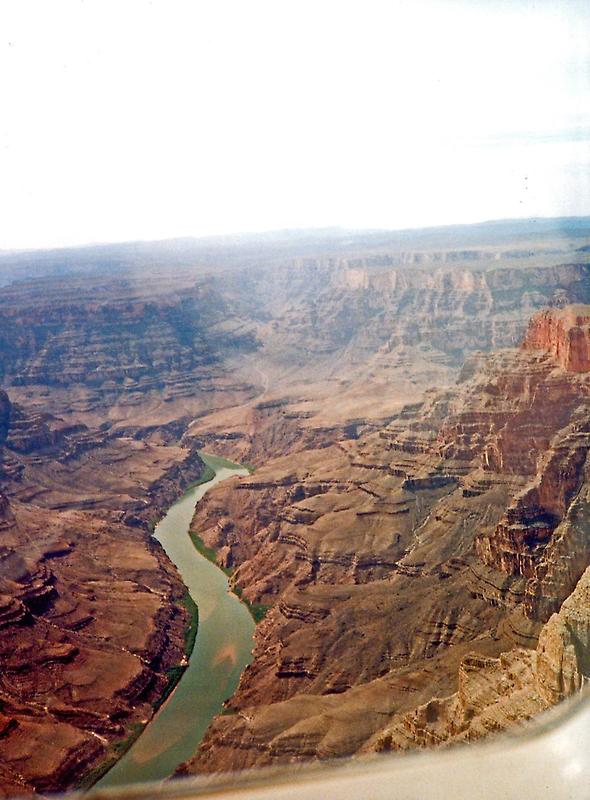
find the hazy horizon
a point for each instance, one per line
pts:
(287, 232)
(150, 121)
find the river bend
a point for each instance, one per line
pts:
(223, 648)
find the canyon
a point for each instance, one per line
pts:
(427, 581)
(91, 612)
(416, 409)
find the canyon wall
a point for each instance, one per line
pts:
(125, 349)
(452, 308)
(414, 575)
(398, 525)
(91, 614)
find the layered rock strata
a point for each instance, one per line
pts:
(119, 372)
(495, 693)
(129, 349)
(565, 334)
(418, 562)
(90, 608)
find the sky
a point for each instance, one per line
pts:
(130, 119)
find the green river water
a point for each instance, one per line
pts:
(223, 648)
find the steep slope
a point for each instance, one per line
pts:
(495, 693)
(410, 564)
(90, 608)
(343, 347)
(146, 350)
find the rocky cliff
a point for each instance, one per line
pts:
(496, 693)
(128, 349)
(565, 333)
(411, 571)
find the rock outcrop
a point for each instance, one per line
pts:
(563, 653)
(495, 694)
(565, 334)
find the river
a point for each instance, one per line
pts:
(223, 648)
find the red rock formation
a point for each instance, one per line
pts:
(565, 333)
